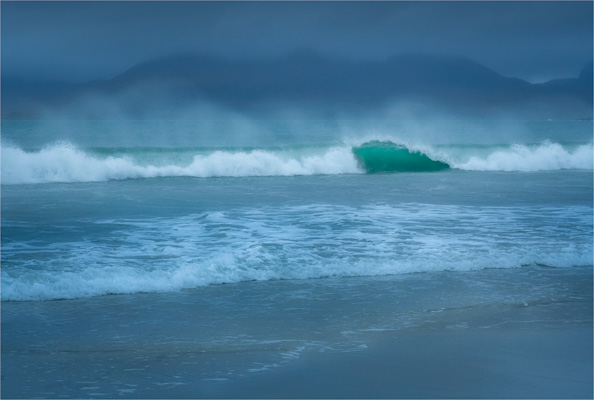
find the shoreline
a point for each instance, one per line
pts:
(518, 333)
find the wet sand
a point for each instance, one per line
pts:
(524, 333)
(502, 363)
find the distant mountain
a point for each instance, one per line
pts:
(308, 81)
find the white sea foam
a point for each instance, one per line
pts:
(544, 157)
(64, 162)
(168, 254)
(97, 281)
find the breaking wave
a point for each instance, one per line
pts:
(376, 156)
(64, 162)
(294, 242)
(544, 157)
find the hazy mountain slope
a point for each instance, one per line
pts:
(310, 81)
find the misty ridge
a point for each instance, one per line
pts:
(413, 85)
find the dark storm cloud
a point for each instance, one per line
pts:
(86, 40)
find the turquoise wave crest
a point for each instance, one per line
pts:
(377, 156)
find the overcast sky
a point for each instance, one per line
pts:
(81, 41)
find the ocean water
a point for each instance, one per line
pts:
(162, 212)
(93, 215)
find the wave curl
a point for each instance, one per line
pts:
(64, 162)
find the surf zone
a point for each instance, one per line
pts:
(377, 156)
(65, 162)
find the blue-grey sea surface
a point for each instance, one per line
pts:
(263, 244)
